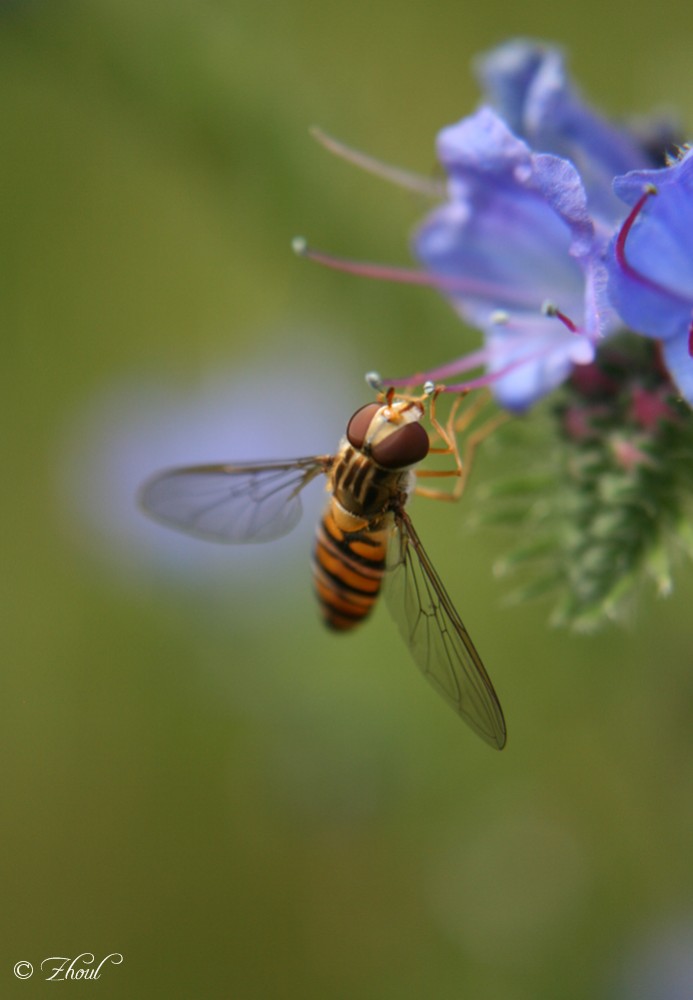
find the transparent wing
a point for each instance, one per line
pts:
(439, 642)
(255, 502)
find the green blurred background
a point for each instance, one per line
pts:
(194, 773)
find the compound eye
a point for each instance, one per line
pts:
(357, 428)
(406, 446)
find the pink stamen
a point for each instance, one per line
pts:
(650, 190)
(463, 364)
(690, 340)
(409, 276)
(482, 357)
(490, 377)
(468, 361)
(550, 310)
(620, 250)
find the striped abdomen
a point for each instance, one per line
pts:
(348, 569)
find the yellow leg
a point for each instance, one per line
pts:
(448, 434)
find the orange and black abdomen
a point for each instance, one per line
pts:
(348, 570)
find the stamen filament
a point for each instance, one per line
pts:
(620, 250)
(490, 377)
(474, 360)
(456, 367)
(409, 276)
(650, 190)
(403, 178)
(549, 309)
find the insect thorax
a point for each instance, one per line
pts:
(365, 490)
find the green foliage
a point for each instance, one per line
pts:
(610, 506)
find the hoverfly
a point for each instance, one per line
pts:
(365, 538)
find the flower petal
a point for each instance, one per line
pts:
(680, 365)
(517, 225)
(527, 83)
(653, 289)
(514, 219)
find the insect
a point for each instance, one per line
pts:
(365, 540)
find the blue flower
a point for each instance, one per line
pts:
(650, 262)
(528, 218)
(527, 85)
(514, 235)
